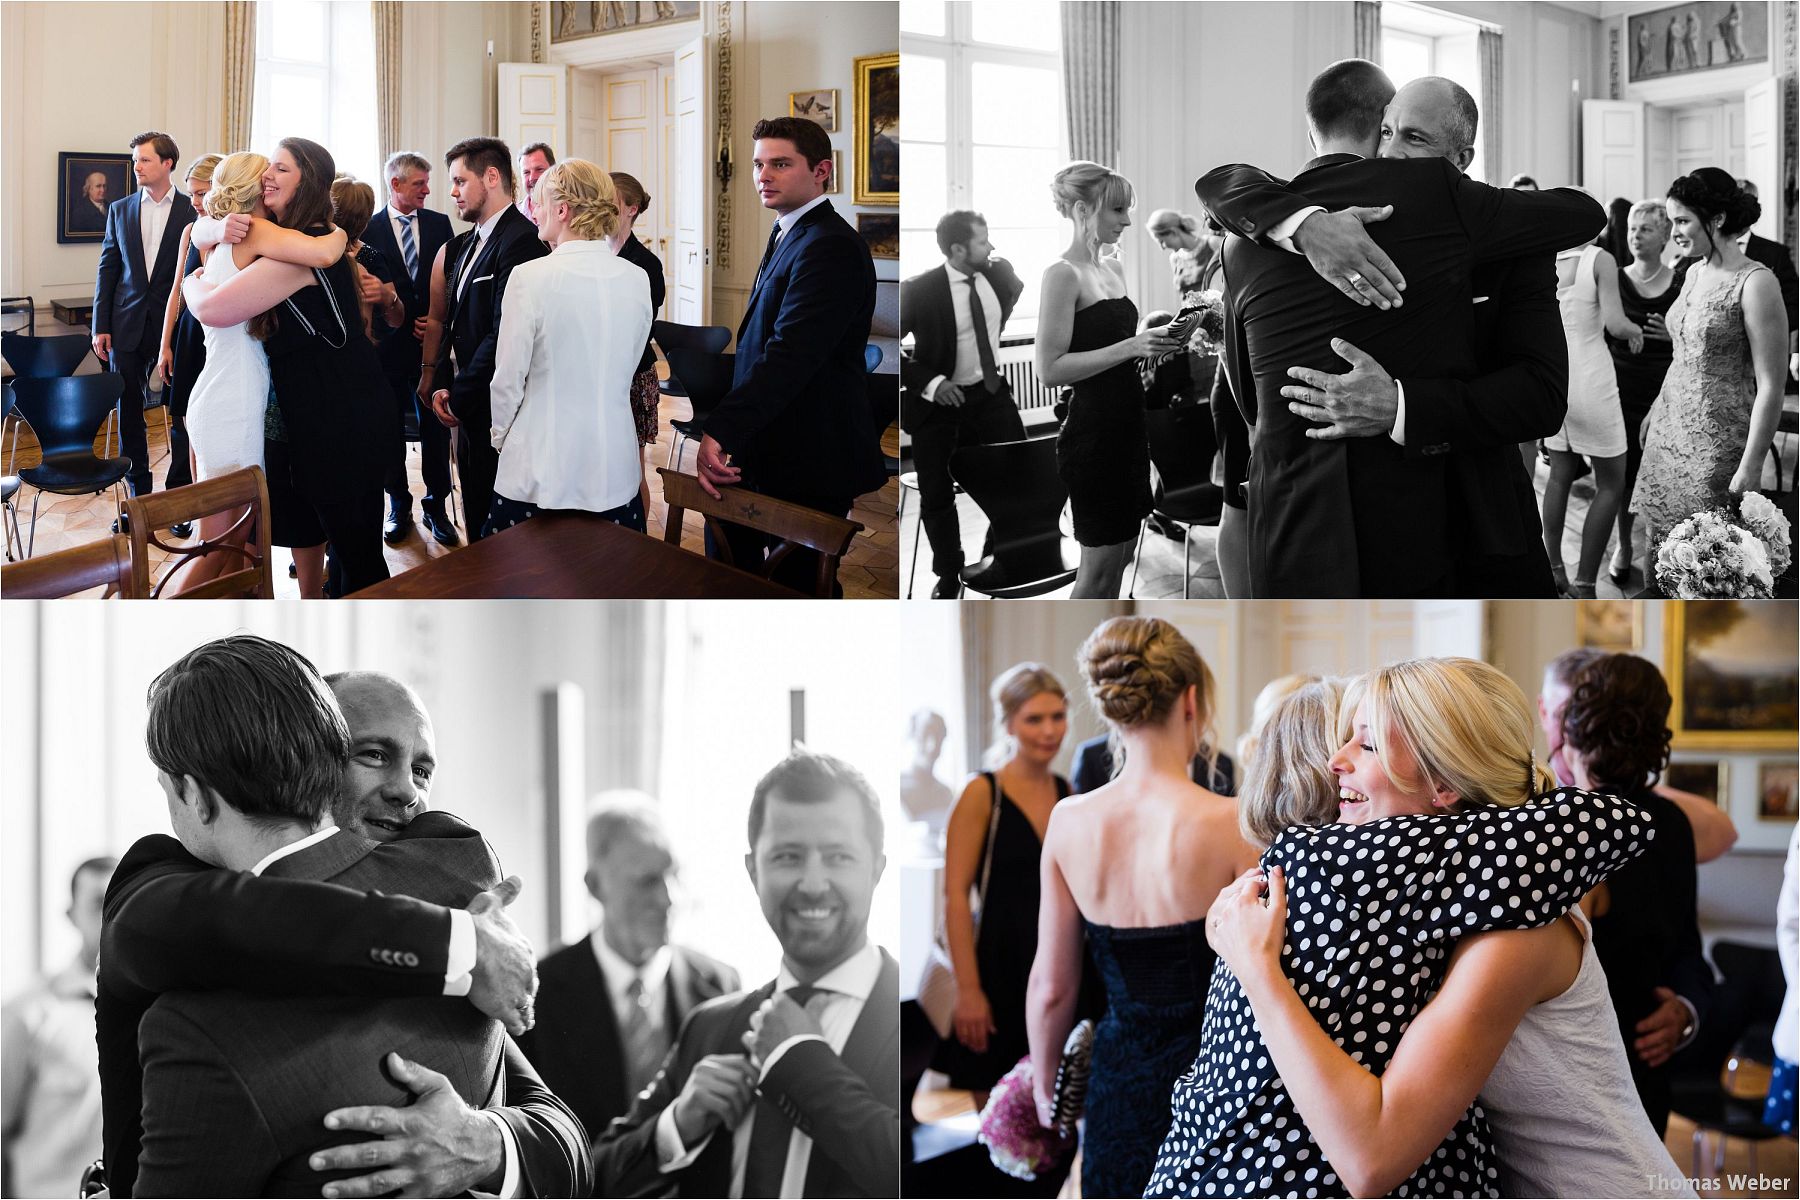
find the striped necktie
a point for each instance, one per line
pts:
(409, 249)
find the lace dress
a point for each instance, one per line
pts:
(1695, 436)
(1373, 913)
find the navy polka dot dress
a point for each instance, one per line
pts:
(1373, 913)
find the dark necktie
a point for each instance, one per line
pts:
(409, 249)
(984, 349)
(768, 253)
(772, 1131)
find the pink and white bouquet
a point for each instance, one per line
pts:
(1017, 1142)
(1716, 554)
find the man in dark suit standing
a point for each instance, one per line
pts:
(610, 1005)
(796, 424)
(131, 288)
(955, 393)
(813, 1108)
(1094, 767)
(408, 233)
(251, 746)
(1367, 515)
(481, 183)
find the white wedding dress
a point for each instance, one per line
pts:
(225, 410)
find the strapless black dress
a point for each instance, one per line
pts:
(1156, 981)
(1103, 450)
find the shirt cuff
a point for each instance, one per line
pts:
(510, 1180)
(932, 387)
(459, 967)
(1693, 1022)
(1283, 234)
(1398, 432)
(671, 1155)
(775, 1054)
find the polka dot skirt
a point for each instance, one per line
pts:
(1373, 913)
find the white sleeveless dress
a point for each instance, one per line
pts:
(225, 410)
(1595, 423)
(1565, 1116)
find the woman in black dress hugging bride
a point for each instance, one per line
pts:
(1086, 340)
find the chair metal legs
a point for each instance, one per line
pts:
(1131, 592)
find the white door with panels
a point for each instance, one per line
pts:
(1613, 153)
(1762, 152)
(690, 211)
(634, 106)
(533, 106)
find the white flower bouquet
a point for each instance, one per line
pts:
(1715, 554)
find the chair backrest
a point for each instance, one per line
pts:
(105, 563)
(706, 374)
(669, 336)
(245, 492)
(795, 524)
(1181, 446)
(1747, 999)
(1016, 486)
(65, 414)
(43, 357)
(871, 358)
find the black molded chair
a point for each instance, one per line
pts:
(65, 415)
(1181, 448)
(706, 375)
(670, 336)
(1737, 1029)
(1016, 486)
(23, 306)
(50, 357)
(9, 488)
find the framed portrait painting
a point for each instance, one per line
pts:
(1777, 790)
(1733, 667)
(878, 129)
(85, 185)
(1706, 779)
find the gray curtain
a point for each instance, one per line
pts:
(1090, 38)
(240, 75)
(390, 49)
(1488, 50)
(1368, 30)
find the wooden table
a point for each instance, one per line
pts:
(76, 310)
(573, 556)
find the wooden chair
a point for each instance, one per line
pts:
(795, 524)
(105, 563)
(246, 489)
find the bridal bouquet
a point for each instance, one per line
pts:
(1017, 1143)
(1715, 554)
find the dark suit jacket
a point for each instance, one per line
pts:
(797, 418)
(400, 350)
(475, 316)
(173, 922)
(84, 217)
(1362, 517)
(1775, 256)
(130, 294)
(576, 1042)
(1094, 767)
(849, 1105)
(928, 313)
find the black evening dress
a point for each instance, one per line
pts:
(1004, 947)
(1155, 981)
(1103, 451)
(1641, 375)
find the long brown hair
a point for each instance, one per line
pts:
(311, 205)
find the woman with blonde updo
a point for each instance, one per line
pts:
(1316, 1020)
(571, 334)
(993, 841)
(1133, 865)
(1086, 340)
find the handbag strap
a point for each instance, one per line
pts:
(331, 298)
(987, 855)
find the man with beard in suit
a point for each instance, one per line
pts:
(477, 265)
(328, 980)
(955, 393)
(610, 1005)
(792, 1089)
(1377, 505)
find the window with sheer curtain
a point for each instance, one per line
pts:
(982, 128)
(315, 78)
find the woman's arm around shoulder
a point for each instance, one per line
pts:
(266, 239)
(255, 289)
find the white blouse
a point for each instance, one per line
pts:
(572, 329)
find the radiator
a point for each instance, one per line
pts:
(1034, 399)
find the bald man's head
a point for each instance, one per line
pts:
(1432, 117)
(393, 754)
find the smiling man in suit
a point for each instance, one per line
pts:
(796, 424)
(955, 393)
(610, 1005)
(131, 288)
(792, 1089)
(408, 233)
(481, 183)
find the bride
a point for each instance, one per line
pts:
(225, 410)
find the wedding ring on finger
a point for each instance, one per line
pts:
(1355, 278)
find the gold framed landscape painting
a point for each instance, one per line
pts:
(1732, 670)
(877, 120)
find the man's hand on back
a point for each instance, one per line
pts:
(436, 1146)
(1344, 255)
(1361, 403)
(505, 977)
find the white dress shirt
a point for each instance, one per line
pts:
(481, 236)
(50, 1083)
(571, 333)
(153, 218)
(618, 974)
(844, 990)
(967, 371)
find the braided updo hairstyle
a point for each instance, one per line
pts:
(1136, 668)
(587, 190)
(1714, 194)
(1617, 719)
(1093, 186)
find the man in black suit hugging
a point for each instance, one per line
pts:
(610, 1005)
(229, 1098)
(481, 183)
(813, 1108)
(955, 393)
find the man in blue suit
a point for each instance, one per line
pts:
(796, 424)
(409, 235)
(131, 290)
